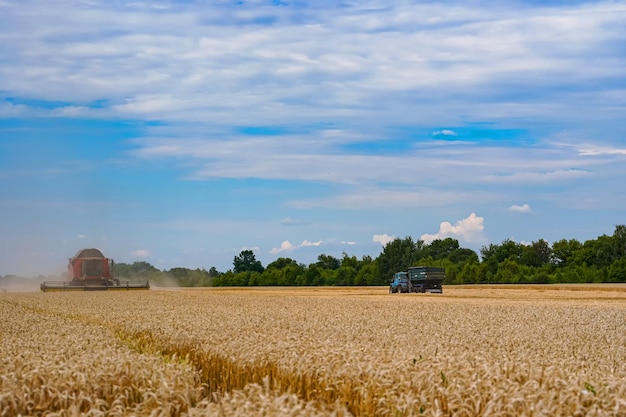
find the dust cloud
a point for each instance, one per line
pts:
(12, 283)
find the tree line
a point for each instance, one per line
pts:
(565, 261)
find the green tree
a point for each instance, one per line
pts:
(224, 280)
(470, 274)
(313, 275)
(135, 269)
(241, 279)
(271, 276)
(507, 249)
(349, 261)
(599, 252)
(463, 256)
(619, 241)
(291, 273)
(328, 262)
(368, 273)
(138, 271)
(246, 262)
(329, 276)
(284, 271)
(617, 271)
(281, 263)
(536, 254)
(398, 255)
(345, 275)
(563, 251)
(441, 248)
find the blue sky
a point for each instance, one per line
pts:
(182, 132)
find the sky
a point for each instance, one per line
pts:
(180, 133)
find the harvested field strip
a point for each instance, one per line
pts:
(220, 374)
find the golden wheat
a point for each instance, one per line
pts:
(273, 352)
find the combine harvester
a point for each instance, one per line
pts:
(89, 270)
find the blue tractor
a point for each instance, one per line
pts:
(400, 283)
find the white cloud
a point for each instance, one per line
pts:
(445, 132)
(141, 253)
(307, 243)
(383, 239)
(8, 110)
(288, 221)
(286, 246)
(81, 236)
(524, 208)
(468, 230)
(549, 177)
(388, 198)
(597, 149)
(253, 248)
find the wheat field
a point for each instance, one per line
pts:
(472, 351)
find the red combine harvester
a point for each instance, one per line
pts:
(89, 270)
